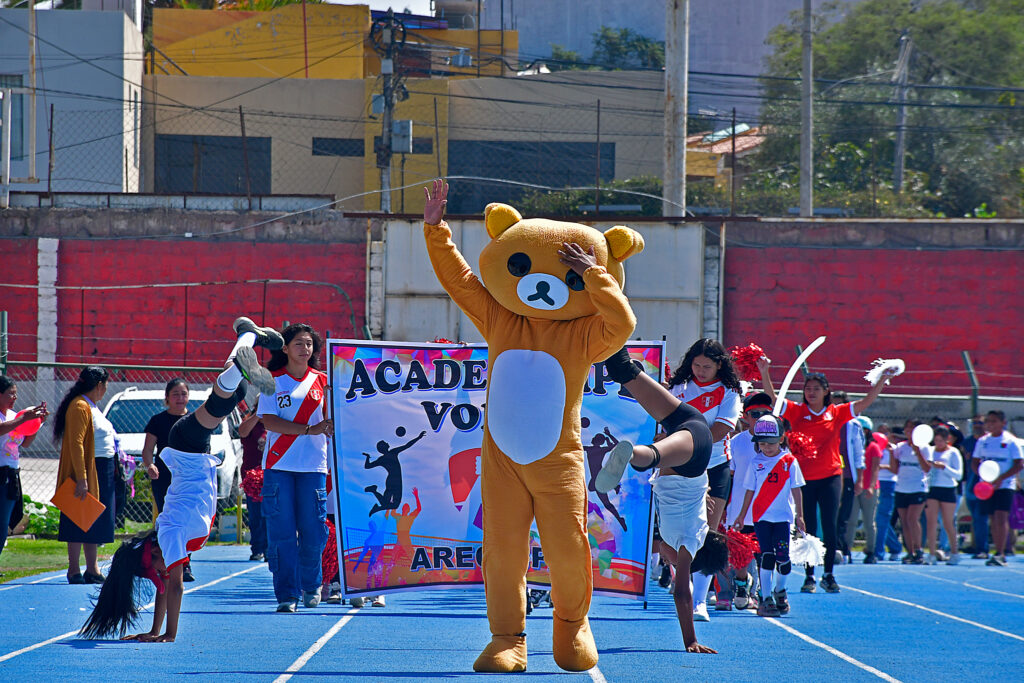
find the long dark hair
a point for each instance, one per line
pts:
(88, 378)
(712, 557)
(277, 358)
(5, 383)
(118, 604)
(713, 350)
(820, 378)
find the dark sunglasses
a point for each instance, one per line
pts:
(758, 413)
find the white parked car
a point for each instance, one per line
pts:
(130, 410)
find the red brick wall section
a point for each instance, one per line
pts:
(149, 325)
(922, 306)
(19, 266)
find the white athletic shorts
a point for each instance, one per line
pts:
(682, 510)
(190, 505)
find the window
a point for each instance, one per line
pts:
(419, 145)
(211, 164)
(17, 115)
(338, 147)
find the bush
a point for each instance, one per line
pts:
(43, 520)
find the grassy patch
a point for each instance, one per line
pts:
(25, 557)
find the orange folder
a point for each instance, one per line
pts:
(82, 512)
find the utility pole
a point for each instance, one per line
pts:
(388, 37)
(807, 120)
(900, 79)
(677, 66)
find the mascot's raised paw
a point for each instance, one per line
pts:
(573, 644)
(504, 655)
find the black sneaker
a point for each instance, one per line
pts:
(666, 576)
(828, 582)
(781, 601)
(256, 557)
(249, 365)
(870, 559)
(808, 586)
(186, 573)
(266, 337)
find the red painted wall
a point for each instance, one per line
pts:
(192, 325)
(19, 266)
(922, 306)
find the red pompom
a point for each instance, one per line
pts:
(741, 548)
(801, 445)
(441, 340)
(745, 359)
(329, 559)
(252, 484)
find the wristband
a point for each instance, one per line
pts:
(307, 430)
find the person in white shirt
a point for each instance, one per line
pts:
(1004, 449)
(295, 468)
(911, 466)
(772, 485)
(947, 470)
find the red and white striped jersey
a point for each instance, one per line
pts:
(300, 401)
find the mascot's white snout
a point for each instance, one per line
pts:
(543, 291)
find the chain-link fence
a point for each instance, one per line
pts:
(134, 395)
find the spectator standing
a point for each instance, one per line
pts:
(295, 468)
(866, 500)
(947, 469)
(254, 439)
(1004, 449)
(10, 452)
(81, 440)
(851, 448)
(911, 464)
(979, 519)
(886, 538)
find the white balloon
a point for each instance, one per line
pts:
(922, 435)
(988, 470)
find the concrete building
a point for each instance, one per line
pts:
(89, 73)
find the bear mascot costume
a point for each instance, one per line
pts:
(545, 325)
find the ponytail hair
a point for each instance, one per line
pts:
(87, 380)
(119, 602)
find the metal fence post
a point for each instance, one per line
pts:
(975, 387)
(3, 342)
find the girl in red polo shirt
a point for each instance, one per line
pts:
(821, 420)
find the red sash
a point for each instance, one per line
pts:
(285, 441)
(774, 483)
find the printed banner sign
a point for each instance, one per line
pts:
(408, 430)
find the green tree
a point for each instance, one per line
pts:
(964, 122)
(614, 48)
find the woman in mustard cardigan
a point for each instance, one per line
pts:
(73, 428)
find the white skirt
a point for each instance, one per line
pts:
(190, 505)
(682, 511)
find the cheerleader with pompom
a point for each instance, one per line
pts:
(772, 485)
(816, 423)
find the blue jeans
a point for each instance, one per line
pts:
(7, 504)
(257, 526)
(295, 510)
(979, 520)
(885, 537)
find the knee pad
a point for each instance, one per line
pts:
(785, 567)
(767, 561)
(218, 406)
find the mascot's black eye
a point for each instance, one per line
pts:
(519, 264)
(574, 281)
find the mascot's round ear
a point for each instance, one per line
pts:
(623, 242)
(500, 217)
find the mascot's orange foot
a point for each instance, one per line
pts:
(573, 645)
(506, 654)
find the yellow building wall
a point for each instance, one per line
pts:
(237, 43)
(419, 168)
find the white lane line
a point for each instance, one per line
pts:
(69, 634)
(316, 647)
(964, 583)
(831, 650)
(935, 611)
(597, 676)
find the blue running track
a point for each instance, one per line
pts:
(890, 622)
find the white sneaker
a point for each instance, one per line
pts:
(932, 559)
(712, 598)
(614, 467)
(954, 558)
(700, 612)
(378, 601)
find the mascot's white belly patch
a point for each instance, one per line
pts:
(525, 403)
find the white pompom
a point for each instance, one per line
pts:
(806, 549)
(887, 368)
